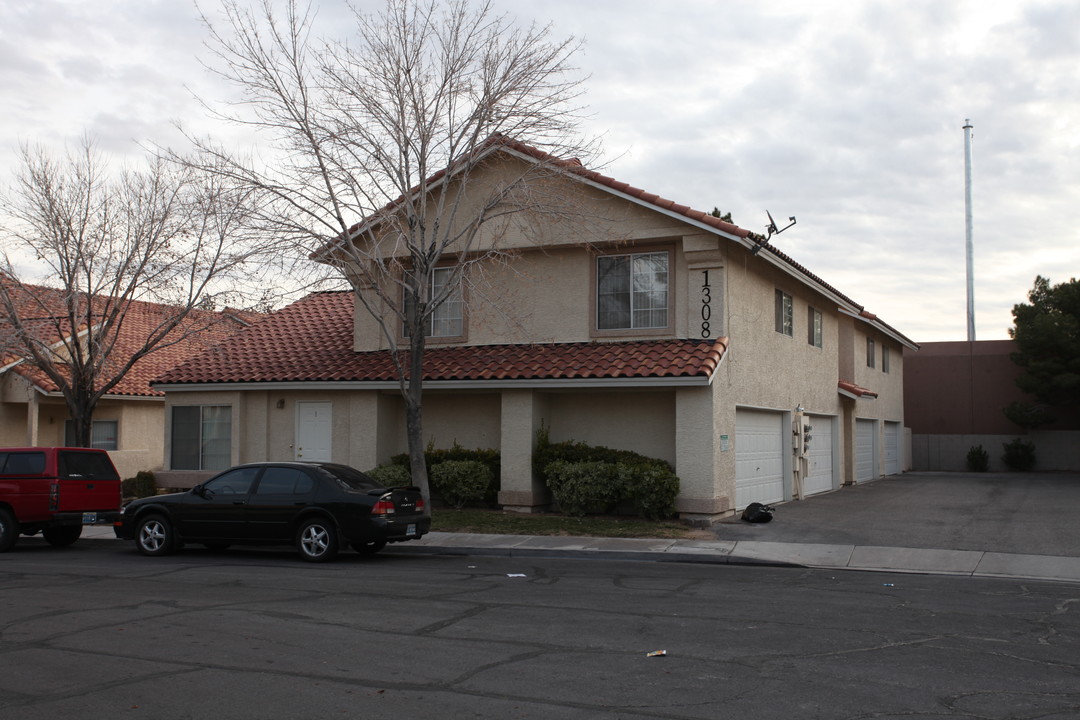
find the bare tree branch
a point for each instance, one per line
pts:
(98, 244)
(373, 142)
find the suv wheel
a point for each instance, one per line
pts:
(317, 540)
(9, 530)
(154, 536)
(63, 535)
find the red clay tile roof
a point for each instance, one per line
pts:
(140, 319)
(311, 340)
(849, 388)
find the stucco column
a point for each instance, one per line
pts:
(364, 424)
(847, 442)
(32, 415)
(699, 462)
(523, 412)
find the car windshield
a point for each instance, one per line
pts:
(349, 477)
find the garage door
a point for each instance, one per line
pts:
(892, 448)
(819, 475)
(864, 450)
(759, 457)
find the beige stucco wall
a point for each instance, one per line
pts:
(140, 424)
(643, 421)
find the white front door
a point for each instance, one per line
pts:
(313, 430)
(759, 457)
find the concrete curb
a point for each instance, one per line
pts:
(970, 563)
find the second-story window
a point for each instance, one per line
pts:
(870, 361)
(884, 359)
(632, 291)
(447, 320)
(813, 327)
(785, 314)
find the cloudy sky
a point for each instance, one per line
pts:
(845, 114)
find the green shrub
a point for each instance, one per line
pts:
(978, 460)
(391, 475)
(462, 482)
(588, 479)
(434, 456)
(650, 487)
(1019, 455)
(583, 488)
(142, 485)
(548, 452)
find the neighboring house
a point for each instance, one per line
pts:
(954, 395)
(129, 420)
(671, 332)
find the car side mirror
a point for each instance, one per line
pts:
(199, 490)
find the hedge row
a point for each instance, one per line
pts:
(583, 479)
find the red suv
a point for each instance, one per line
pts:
(55, 491)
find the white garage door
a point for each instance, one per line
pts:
(864, 450)
(759, 457)
(819, 475)
(892, 448)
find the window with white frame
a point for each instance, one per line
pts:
(785, 314)
(632, 291)
(103, 434)
(448, 319)
(201, 437)
(884, 359)
(870, 359)
(813, 327)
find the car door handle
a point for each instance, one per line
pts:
(239, 502)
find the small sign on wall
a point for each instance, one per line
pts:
(725, 443)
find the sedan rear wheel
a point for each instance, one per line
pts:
(369, 547)
(317, 540)
(154, 536)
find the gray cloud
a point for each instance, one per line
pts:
(844, 113)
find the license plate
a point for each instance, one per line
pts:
(410, 529)
(89, 518)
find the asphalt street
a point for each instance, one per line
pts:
(98, 631)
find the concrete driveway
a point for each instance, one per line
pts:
(1027, 513)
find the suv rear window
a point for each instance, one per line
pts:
(22, 463)
(85, 465)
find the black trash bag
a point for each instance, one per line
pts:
(757, 513)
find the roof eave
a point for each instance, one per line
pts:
(507, 384)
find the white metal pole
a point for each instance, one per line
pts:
(970, 243)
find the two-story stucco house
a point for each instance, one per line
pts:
(667, 331)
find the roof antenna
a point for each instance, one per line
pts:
(772, 230)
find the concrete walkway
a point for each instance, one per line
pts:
(979, 525)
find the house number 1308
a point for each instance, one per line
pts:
(706, 307)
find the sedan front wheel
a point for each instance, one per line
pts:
(154, 536)
(317, 540)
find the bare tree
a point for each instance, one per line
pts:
(375, 143)
(81, 245)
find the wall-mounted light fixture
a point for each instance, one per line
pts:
(281, 403)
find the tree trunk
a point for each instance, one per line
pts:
(414, 416)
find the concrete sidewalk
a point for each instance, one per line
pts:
(751, 552)
(981, 525)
